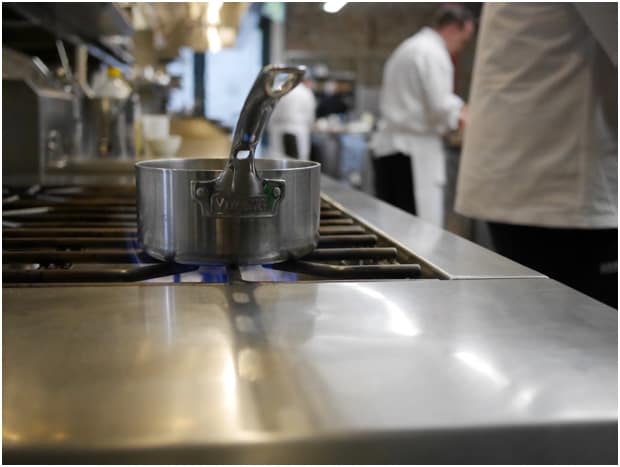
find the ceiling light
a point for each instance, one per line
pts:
(333, 6)
(213, 12)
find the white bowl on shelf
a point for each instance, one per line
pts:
(164, 147)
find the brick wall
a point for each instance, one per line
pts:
(359, 38)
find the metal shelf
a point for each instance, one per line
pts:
(32, 28)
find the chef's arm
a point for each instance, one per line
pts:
(602, 20)
(443, 105)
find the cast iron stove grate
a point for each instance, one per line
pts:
(88, 234)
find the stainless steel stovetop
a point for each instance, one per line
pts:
(471, 359)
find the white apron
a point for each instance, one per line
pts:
(429, 177)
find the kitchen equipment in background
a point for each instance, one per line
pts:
(223, 211)
(109, 119)
(155, 126)
(16, 65)
(200, 26)
(107, 128)
(158, 140)
(164, 147)
(341, 147)
(38, 124)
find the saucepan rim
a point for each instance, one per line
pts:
(178, 164)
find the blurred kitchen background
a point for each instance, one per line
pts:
(92, 87)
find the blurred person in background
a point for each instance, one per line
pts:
(291, 123)
(331, 101)
(540, 156)
(418, 106)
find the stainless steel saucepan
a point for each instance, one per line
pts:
(237, 210)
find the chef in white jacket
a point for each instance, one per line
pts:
(294, 115)
(540, 156)
(418, 106)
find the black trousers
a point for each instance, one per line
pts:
(393, 181)
(289, 143)
(584, 259)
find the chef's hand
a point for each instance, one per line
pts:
(463, 117)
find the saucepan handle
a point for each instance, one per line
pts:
(260, 103)
(239, 191)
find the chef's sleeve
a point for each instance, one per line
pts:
(437, 81)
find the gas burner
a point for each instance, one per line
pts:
(86, 234)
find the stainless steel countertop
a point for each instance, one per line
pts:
(456, 257)
(510, 368)
(505, 370)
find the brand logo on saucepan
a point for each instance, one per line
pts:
(216, 203)
(221, 204)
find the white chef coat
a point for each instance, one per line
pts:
(537, 147)
(418, 106)
(293, 114)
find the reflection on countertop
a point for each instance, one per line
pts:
(413, 369)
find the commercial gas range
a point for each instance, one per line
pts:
(88, 234)
(394, 341)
